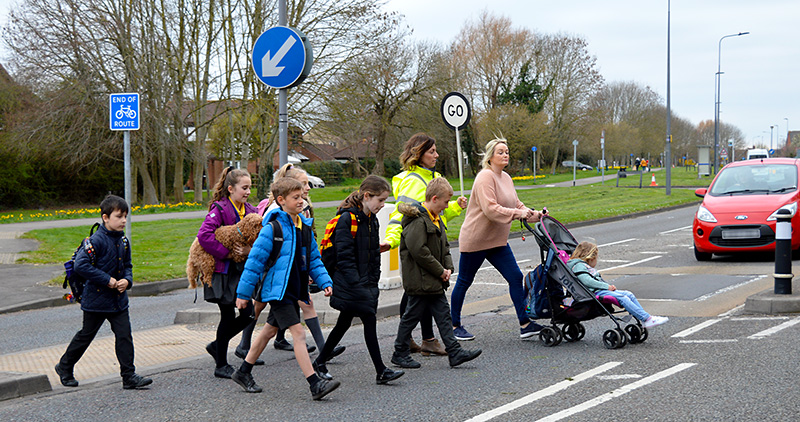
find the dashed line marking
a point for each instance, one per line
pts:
(616, 393)
(729, 288)
(632, 263)
(617, 242)
(775, 329)
(691, 330)
(727, 340)
(549, 391)
(675, 230)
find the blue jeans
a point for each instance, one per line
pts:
(628, 301)
(502, 258)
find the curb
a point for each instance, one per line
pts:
(767, 302)
(18, 384)
(140, 289)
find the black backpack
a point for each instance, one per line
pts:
(72, 279)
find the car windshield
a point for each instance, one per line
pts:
(756, 179)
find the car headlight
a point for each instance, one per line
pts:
(703, 214)
(792, 211)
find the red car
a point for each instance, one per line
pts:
(739, 209)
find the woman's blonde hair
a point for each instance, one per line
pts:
(585, 251)
(489, 151)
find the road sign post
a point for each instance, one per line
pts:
(123, 114)
(574, 160)
(456, 112)
(282, 58)
(533, 154)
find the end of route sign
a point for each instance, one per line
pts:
(123, 110)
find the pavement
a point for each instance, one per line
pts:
(26, 287)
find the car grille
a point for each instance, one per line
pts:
(766, 236)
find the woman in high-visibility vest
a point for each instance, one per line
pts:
(418, 160)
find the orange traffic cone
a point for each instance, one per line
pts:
(653, 181)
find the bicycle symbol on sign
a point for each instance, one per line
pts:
(125, 111)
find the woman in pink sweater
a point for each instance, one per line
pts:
(493, 206)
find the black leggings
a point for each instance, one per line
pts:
(425, 323)
(370, 337)
(229, 326)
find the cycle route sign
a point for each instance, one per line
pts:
(123, 110)
(282, 57)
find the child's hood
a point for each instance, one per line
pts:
(409, 210)
(575, 261)
(284, 217)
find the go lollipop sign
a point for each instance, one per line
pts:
(456, 112)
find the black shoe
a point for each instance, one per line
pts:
(67, 379)
(338, 350)
(462, 356)
(241, 354)
(322, 371)
(211, 348)
(322, 388)
(282, 344)
(405, 361)
(224, 372)
(136, 381)
(285, 345)
(388, 375)
(246, 381)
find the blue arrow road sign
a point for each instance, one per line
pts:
(123, 110)
(533, 149)
(282, 57)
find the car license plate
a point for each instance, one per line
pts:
(741, 234)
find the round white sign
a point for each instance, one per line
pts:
(455, 110)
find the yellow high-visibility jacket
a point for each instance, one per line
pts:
(409, 187)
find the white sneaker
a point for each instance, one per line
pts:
(654, 320)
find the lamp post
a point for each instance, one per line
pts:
(770, 136)
(717, 96)
(787, 130)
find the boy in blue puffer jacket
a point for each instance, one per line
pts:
(283, 284)
(105, 296)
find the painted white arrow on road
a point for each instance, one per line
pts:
(269, 66)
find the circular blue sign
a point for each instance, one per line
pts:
(282, 57)
(533, 149)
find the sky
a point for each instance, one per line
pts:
(759, 86)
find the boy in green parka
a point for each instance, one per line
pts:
(426, 267)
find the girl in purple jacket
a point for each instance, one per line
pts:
(228, 206)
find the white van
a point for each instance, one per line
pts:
(755, 154)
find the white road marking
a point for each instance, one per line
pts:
(776, 318)
(727, 289)
(654, 253)
(617, 242)
(729, 340)
(616, 393)
(549, 391)
(619, 377)
(616, 260)
(675, 230)
(689, 331)
(487, 267)
(775, 329)
(632, 263)
(732, 311)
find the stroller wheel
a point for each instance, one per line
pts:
(614, 339)
(573, 332)
(643, 336)
(635, 333)
(550, 336)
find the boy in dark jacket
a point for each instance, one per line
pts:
(108, 272)
(426, 267)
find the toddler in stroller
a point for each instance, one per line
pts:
(582, 263)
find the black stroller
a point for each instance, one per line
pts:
(570, 302)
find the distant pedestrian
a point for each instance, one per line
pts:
(427, 266)
(108, 271)
(492, 207)
(358, 269)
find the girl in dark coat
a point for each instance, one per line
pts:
(355, 280)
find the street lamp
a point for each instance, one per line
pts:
(717, 97)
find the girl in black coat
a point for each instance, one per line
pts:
(358, 268)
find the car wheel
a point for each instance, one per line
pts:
(701, 256)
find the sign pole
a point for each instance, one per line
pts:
(283, 115)
(127, 145)
(460, 162)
